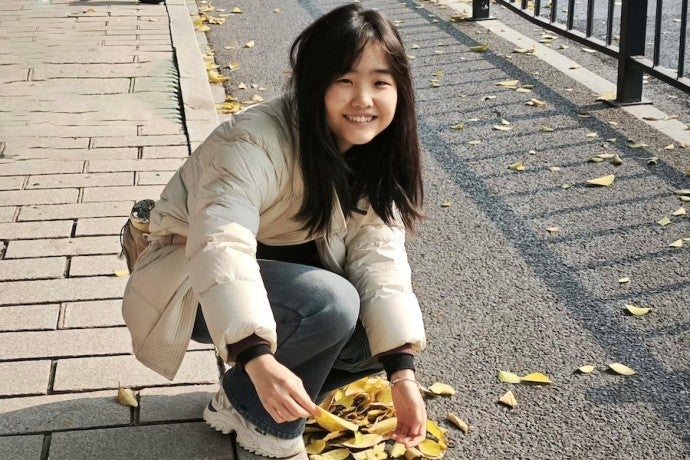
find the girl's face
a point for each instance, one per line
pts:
(361, 103)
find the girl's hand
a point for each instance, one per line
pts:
(409, 408)
(281, 392)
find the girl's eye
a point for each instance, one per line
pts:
(346, 81)
(383, 83)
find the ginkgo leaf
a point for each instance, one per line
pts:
(606, 97)
(621, 369)
(624, 280)
(536, 377)
(562, 46)
(611, 139)
(683, 191)
(444, 389)
(236, 10)
(362, 441)
(126, 397)
(464, 427)
(121, 273)
(616, 160)
(536, 103)
(517, 167)
(474, 142)
(234, 65)
(592, 134)
(523, 90)
(384, 426)
(679, 212)
(249, 44)
(398, 450)
(664, 221)
(553, 229)
(415, 46)
(547, 129)
(637, 311)
(436, 431)
(652, 160)
(488, 98)
(479, 48)
(677, 244)
(316, 446)
(242, 86)
(439, 73)
(202, 28)
(508, 399)
(430, 449)
(277, 10)
(603, 181)
(566, 186)
(586, 369)
(502, 128)
(595, 159)
(458, 126)
(589, 50)
(508, 83)
(508, 377)
(332, 422)
(215, 77)
(670, 147)
(447, 204)
(636, 145)
(554, 168)
(524, 50)
(336, 454)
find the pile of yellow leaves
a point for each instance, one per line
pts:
(356, 422)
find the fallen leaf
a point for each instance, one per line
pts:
(536, 103)
(547, 129)
(249, 44)
(337, 454)
(616, 160)
(431, 449)
(121, 273)
(523, 90)
(234, 66)
(479, 48)
(446, 204)
(502, 128)
(605, 97)
(488, 98)
(508, 83)
(566, 186)
(562, 46)
(670, 147)
(667, 117)
(653, 160)
(603, 181)
(517, 167)
(508, 377)
(215, 77)
(679, 212)
(316, 446)
(277, 10)
(592, 134)
(595, 159)
(524, 50)
(384, 426)
(242, 86)
(677, 244)
(637, 311)
(589, 50)
(458, 126)
(127, 397)
(464, 427)
(621, 369)
(636, 145)
(398, 450)
(332, 422)
(474, 142)
(363, 441)
(508, 399)
(664, 221)
(443, 389)
(624, 280)
(236, 10)
(554, 168)
(553, 229)
(586, 369)
(536, 377)
(683, 191)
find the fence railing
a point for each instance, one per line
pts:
(632, 22)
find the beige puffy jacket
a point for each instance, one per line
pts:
(241, 185)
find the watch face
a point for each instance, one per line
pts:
(142, 210)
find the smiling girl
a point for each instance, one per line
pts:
(282, 240)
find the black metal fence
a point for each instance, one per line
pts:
(630, 17)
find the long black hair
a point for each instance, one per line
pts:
(387, 170)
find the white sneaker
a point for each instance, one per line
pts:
(220, 415)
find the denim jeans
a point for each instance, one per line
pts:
(319, 338)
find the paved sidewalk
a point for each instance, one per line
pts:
(90, 121)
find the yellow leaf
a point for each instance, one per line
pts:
(605, 156)
(362, 441)
(637, 311)
(464, 427)
(203, 28)
(652, 160)
(458, 126)
(446, 204)
(547, 129)
(603, 181)
(566, 186)
(679, 212)
(316, 446)
(670, 147)
(664, 221)
(337, 454)
(277, 10)
(430, 449)
(475, 142)
(436, 431)
(121, 273)
(215, 77)
(606, 97)
(249, 44)
(508, 83)
(384, 426)
(553, 229)
(234, 66)
(523, 90)
(624, 280)
(536, 377)
(586, 369)
(508, 399)
(236, 10)
(554, 168)
(524, 50)
(636, 145)
(538, 103)
(683, 191)
(508, 377)
(398, 450)
(677, 244)
(439, 73)
(517, 167)
(621, 369)
(439, 388)
(588, 50)
(332, 422)
(126, 397)
(242, 85)
(592, 134)
(616, 160)
(479, 48)
(502, 128)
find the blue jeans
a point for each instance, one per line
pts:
(319, 338)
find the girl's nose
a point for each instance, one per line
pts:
(362, 98)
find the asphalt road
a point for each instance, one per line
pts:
(500, 292)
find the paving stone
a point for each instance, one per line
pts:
(136, 193)
(75, 211)
(96, 265)
(130, 153)
(80, 374)
(53, 196)
(61, 290)
(30, 269)
(7, 213)
(62, 412)
(87, 86)
(174, 403)
(47, 142)
(29, 317)
(63, 247)
(52, 71)
(191, 440)
(12, 182)
(100, 226)
(77, 131)
(151, 177)
(162, 127)
(134, 165)
(21, 447)
(93, 313)
(25, 230)
(27, 377)
(180, 151)
(80, 180)
(175, 139)
(64, 342)
(18, 168)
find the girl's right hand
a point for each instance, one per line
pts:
(281, 392)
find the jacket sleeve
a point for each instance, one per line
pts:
(376, 263)
(236, 182)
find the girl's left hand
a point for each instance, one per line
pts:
(410, 410)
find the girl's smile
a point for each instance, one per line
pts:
(361, 103)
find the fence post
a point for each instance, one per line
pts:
(632, 43)
(480, 10)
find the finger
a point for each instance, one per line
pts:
(305, 403)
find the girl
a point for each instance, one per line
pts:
(287, 227)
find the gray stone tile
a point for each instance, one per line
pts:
(61, 290)
(62, 412)
(93, 313)
(166, 152)
(125, 153)
(12, 182)
(75, 211)
(64, 342)
(28, 269)
(25, 230)
(136, 193)
(63, 247)
(23, 378)
(47, 142)
(192, 440)
(152, 177)
(134, 165)
(18, 168)
(23, 197)
(7, 213)
(174, 403)
(96, 265)
(29, 317)
(21, 447)
(163, 127)
(174, 139)
(88, 86)
(95, 373)
(50, 71)
(80, 180)
(100, 226)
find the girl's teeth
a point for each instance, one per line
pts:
(360, 119)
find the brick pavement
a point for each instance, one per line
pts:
(96, 111)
